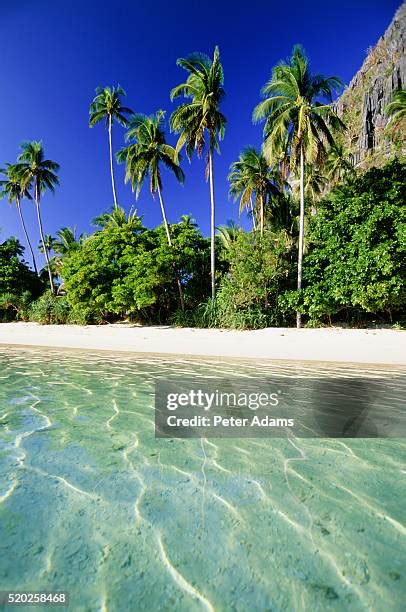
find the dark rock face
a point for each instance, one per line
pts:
(362, 105)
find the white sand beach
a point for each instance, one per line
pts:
(373, 346)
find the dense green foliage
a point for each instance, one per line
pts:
(357, 258)
(258, 273)
(354, 268)
(52, 309)
(129, 271)
(18, 284)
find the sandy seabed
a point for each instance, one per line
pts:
(374, 346)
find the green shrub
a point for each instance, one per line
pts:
(128, 272)
(18, 284)
(355, 268)
(256, 271)
(15, 307)
(50, 309)
(248, 296)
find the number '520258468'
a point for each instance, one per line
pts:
(34, 598)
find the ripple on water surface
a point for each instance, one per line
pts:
(92, 503)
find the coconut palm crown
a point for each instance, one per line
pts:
(251, 176)
(146, 153)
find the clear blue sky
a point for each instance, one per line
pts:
(54, 53)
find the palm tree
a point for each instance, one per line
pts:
(34, 169)
(315, 183)
(251, 175)
(188, 221)
(144, 156)
(396, 109)
(49, 241)
(117, 218)
(67, 240)
(54, 262)
(201, 117)
(64, 245)
(241, 186)
(14, 189)
(228, 234)
(338, 163)
(106, 105)
(297, 123)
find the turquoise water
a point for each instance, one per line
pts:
(92, 503)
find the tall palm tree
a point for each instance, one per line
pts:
(106, 105)
(251, 176)
(396, 109)
(298, 123)
(13, 188)
(200, 118)
(145, 155)
(39, 172)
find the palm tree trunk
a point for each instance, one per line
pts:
(254, 227)
(113, 184)
(212, 227)
(26, 235)
(182, 302)
(262, 214)
(37, 206)
(301, 234)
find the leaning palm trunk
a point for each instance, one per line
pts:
(301, 235)
(113, 184)
(182, 303)
(212, 227)
(20, 212)
(262, 213)
(37, 206)
(252, 214)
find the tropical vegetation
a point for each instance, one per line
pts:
(327, 243)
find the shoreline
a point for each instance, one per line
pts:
(352, 346)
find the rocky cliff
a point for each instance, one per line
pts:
(362, 105)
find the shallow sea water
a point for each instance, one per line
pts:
(93, 504)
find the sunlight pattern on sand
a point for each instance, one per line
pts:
(92, 503)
